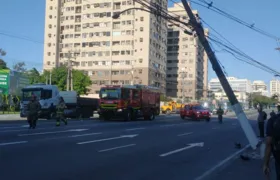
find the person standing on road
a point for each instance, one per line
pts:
(220, 113)
(272, 145)
(60, 112)
(272, 114)
(33, 108)
(261, 118)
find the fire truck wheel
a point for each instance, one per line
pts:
(128, 115)
(152, 115)
(107, 116)
(182, 117)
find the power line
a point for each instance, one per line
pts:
(234, 50)
(249, 60)
(21, 37)
(234, 18)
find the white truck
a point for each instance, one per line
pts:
(48, 96)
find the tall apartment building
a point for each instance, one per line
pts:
(130, 49)
(275, 87)
(187, 62)
(241, 85)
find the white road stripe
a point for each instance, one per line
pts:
(215, 128)
(178, 124)
(53, 132)
(119, 147)
(11, 143)
(80, 135)
(134, 129)
(220, 164)
(176, 151)
(185, 134)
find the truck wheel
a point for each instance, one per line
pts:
(168, 111)
(163, 112)
(127, 115)
(152, 116)
(107, 117)
(182, 117)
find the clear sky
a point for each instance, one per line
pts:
(25, 18)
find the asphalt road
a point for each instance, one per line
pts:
(167, 148)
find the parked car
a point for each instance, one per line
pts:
(195, 112)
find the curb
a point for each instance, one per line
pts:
(222, 165)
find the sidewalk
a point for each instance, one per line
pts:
(241, 169)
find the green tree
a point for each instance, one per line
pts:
(34, 76)
(19, 67)
(3, 64)
(81, 82)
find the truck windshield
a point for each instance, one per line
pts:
(27, 94)
(110, 93)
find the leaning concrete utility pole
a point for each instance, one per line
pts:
(247, 128)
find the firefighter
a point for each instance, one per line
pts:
(60, 112)
(33, 108)
(220, 113)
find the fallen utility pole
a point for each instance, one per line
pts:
(247, 128)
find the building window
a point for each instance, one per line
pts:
(141, 29)
(51, 7)
(49, 53)
(141, 18)
(141, 40)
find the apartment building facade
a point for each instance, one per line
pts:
(129, 49)
(187, 62)
(275, 87)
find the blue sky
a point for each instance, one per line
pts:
(25, 18)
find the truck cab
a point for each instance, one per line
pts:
(47, 95)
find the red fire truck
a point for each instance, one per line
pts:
(129, 102)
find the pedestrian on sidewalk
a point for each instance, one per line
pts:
(272, 145)
(261, 119)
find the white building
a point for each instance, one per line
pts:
(260, 87)
(240, 85)
(274, 87)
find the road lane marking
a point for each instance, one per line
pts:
(182, 149)
(215, 128)
(11, 143)
(119, 147)
(170, 125)
(89, 134)
(134, 129)
(53, 132)
(185, 134)
(108, 139)
(222, 163)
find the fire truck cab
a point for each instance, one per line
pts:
(129, 102)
